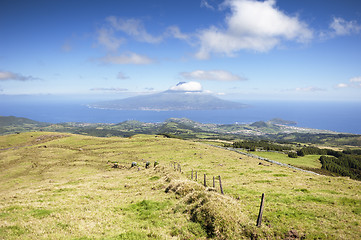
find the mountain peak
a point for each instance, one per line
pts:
(170, 101)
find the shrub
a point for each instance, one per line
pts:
(292, 155)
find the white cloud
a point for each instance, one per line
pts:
(342, 27)
(342, 85)
(355, 79)
(217, 75)
(354, 82)
(175, 32)
(130, 58)
(117, 31)
(205, 4)
(122, 76)
(107, 39)
(133, 27)
(187, 87)
(252, 25)
(8, 76)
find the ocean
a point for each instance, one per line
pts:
(339, 117)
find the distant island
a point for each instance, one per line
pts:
(169, 101)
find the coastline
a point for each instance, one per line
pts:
(343, 118)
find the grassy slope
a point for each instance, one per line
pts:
(308, 161)
(54, 186)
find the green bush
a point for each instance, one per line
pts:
(292, 155)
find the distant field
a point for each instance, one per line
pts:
(56, 186)
(309, 161)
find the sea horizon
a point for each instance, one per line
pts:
(343, 117)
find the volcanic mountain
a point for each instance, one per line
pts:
(170, 101)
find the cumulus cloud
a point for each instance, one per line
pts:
(122, 76)
(354, 82)
(129, 58)
(187, 87)
(342, 27)
(252, 25)
(10, 76)
(110, 89)
(216, 75)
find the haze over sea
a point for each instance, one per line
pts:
(335, 116)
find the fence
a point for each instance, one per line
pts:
(194, 176)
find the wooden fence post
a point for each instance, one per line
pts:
(220, 184)
(259, 219)
(192, 175)
(214, 183)
(205, 181)
(196, 175)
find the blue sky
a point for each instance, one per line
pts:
(235, 49)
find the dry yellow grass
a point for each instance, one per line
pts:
(64, 188)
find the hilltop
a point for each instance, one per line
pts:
(11, 124)
(65, 186)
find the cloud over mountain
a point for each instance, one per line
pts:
(187, 87)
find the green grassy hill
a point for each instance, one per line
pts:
(11, 124)
(63, 186)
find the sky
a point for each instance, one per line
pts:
(304, 50)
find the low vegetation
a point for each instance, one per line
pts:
(263, 144)
(64, 186)
(344, 163)
(276, 130)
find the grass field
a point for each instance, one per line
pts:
(308, 161)
(56, 186)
